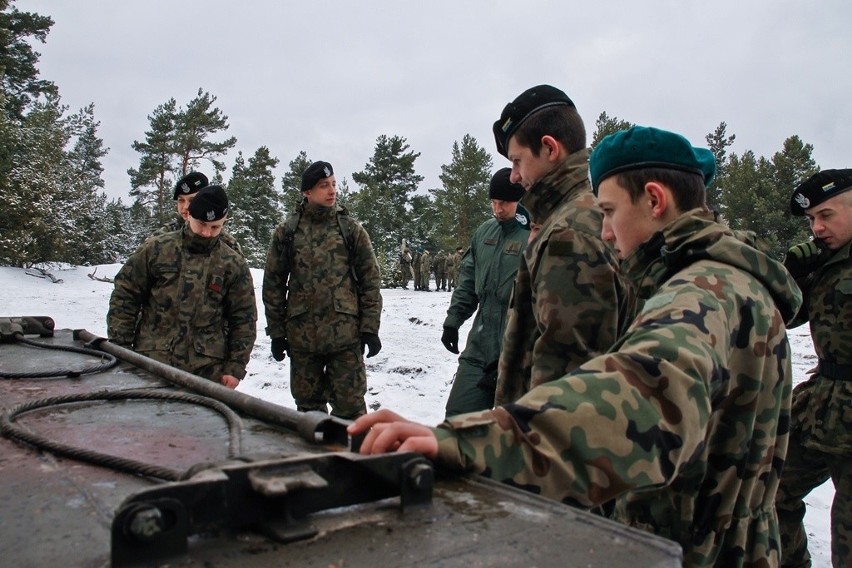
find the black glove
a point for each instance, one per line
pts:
(804, 258)
(279, 348)
(450, 339)
(372, 342)
(488, 382)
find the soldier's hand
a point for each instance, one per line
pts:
(488, 382)
(450, 339)
(372, 342)
(804, 258)
(279, 348)
(230, 381)
(387, 431)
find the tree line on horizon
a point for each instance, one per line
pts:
(53, 208)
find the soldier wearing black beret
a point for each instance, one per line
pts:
(820, 445)
(544, 137)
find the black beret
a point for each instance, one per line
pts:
(190, 183)
(503, 189)
(528, 103)
(209, 204)
(819, 187)
(646, 147)
(314, 173)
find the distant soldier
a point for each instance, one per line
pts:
(485, 287)
(186, 299)
(415, 268)
(453, 276)
(321, 290)
(821, 428)
(184, 192)
(441, 270)
(425, 270)
(404, 266)
(450, 266)
(684, 422)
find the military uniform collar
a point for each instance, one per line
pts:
(569, 179)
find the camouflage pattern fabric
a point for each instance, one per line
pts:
(451, 265)
(315, 302)
(337, 379)
(425, 269)
(569, 302)
(178, 225)
(415, 268)
(487, 275)
(821, 431)
(683, 423)
(188, 302)
(440, 267)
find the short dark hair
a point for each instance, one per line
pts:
(687, 188)
(562, 122)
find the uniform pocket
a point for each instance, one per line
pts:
(345, 301)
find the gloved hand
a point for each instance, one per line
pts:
(804, 258)
(450, 339)
(488, 382)
(279, 348)
(372, 342)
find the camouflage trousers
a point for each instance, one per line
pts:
(805, 470)
(466, 396)
(338, 379)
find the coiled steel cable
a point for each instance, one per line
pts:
(111, 361)
(20, 434)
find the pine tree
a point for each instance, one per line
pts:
(194, 128)
(719, 142)
(151, 183)
(383, 199)
(18, 72)
(255, 209)
(291, 182)
(604, 126)
(462, 204)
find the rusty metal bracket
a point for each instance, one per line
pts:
(275, 497)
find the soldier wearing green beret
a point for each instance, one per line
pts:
(568, 304)
(683, 422)
(186, 299)
(821, 429)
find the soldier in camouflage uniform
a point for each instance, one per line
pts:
(821, 431)
(415, 268)
(487, 275)
(569, 303)
(321, 291)
(185, 190)
(425, 270)
(186, 299)
(440, 267)
(405, 267)
(684, 422)
(450, 267)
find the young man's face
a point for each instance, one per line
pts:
(324, 193)
(626, 225)
(183, 202)
(831, 220)
(527, 168)
(503, 210)
(206, 229)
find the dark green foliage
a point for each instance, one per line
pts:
(462, 204)
(386, 186)
(255, 209)
(718, 142)
(291, 182)
(604, 126)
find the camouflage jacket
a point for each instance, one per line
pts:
(684, 422)
(313, 299)
(426, 264)
(186, 302)
(568, 300)
(823, 404)
(178, 225)
(486, 276)
(439, 264)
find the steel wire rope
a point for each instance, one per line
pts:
(111, 361)
(19, 434)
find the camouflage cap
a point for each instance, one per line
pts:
(209, 204)
(190, 183)
(818, 188)
(314, 173)
(646, 147)
(525, 105)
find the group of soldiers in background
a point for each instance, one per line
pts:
(419, 264)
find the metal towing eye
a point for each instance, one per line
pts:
(274, 497)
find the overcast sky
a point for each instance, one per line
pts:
(329, 77)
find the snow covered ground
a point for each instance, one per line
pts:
(412, 374)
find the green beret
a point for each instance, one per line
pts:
(645, 147)
(526, 104)
(819, 187)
